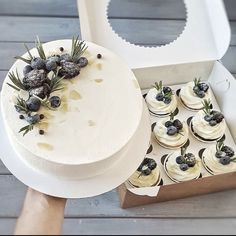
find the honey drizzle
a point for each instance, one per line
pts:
(45, 146)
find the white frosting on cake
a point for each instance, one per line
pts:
(204, 130)
(174, 171)
(190, 99)
(100, 112)
(159, 107)
(138, 180)
(176, 140)
(213, 163)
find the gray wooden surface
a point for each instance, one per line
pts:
(20, 21)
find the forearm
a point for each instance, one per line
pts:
(41, 214)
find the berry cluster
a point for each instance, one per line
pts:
(164, 93)
(147, 166)
(39, 85)
(211, 116)
(173, 126)
(224, 153)
(200, 88)
(186, 161)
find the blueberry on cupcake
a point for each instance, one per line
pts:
(147, 174)
(171, 133)
(161, 100)
(219, 158)
(193, 93)
(181, 166)
(208, 125)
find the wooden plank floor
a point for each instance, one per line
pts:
(20, 21)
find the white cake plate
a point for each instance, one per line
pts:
(129, 160)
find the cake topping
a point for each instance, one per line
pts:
(41, 132)
(43, 76)
(200, 88)
(185, 160)
(224, 153)
(211, 116)
(147, 166)
(163, 93)
(173, 126)
(55, 101)
(99, 56)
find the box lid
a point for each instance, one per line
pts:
(206, 36)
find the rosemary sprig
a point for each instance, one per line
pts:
(233, 159)
(78, 48)
(30, 55)
(21, 105)
(180, 132)
(207, 106)
(15, 79)
(172, 116)
(197, 81)
(40, 49)
(183, 150)
(158, 86)
(169, 94)
(26, 60)
(55, 83)
(26, 129)
(219, 145)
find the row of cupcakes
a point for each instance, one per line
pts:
(181, 166)
(162, 100)
(208, 125)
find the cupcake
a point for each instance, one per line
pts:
(161, 101)
(193, 93)
(147, 175)
(171, 133)
(219, 159)
(181, 166)
(208, 125)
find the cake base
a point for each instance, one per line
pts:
(128, 162)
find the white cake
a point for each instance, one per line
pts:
(100, 111)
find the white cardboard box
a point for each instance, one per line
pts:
(195, 53)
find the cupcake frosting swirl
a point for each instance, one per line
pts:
(176, 173)
(190, 99)
(142, 181)
(204, 130)
(159, 107)
(212, 162)
(160, 131)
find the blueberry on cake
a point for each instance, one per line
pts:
(161, 100)
(181, 166)
(193, 94)
(171, 133)
(219, 159)
(208, 125)
(147, 174)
